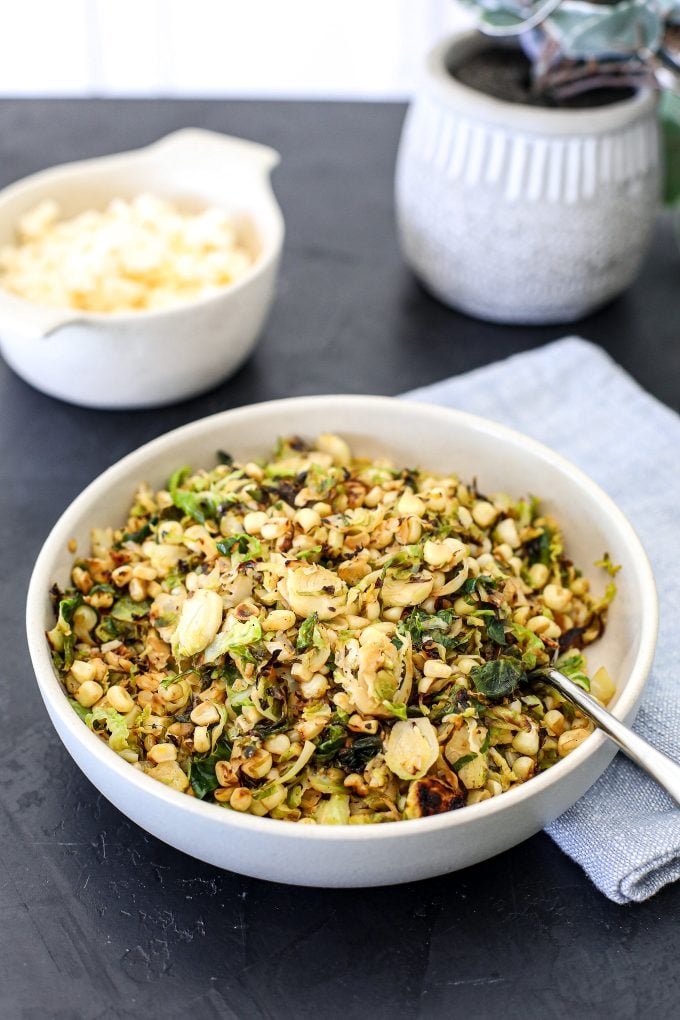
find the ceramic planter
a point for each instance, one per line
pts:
(523, 214)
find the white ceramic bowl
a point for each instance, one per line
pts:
(148, 358)
(411, 433)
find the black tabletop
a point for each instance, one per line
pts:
(98, 920)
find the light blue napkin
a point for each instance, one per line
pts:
(625, 832)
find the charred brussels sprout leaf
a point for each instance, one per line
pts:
(472, 583)
(202, 773)
(496, 631)
(538, 549)
(332, 739)
(199, 505)
(128, 611)
(499, 678)
(244, 545)
(140, 534)
(572, 666)
(67, 607)
(305, 638)
(356, 757)
(464, 760)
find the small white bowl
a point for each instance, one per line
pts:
(148, 358)
(412, 434)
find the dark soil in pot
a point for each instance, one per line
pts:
(505, 73)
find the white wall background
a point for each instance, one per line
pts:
(367, 49)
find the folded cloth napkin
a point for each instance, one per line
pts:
(625, 832)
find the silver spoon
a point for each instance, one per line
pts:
(658, 765)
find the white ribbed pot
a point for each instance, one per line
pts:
(523, 214)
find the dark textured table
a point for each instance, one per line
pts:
(100, 921)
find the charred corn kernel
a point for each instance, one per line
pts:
(275, 798)
(274, 528)
(89, 693)
(119, 699)
(409, 531)
(335, 539)
(162, 752)
(144, 572)
(279, 619)
(241, 799)
(252, 522)
(170, 774)
(524, 767)
(224, 774)
(538, 575)
(201, 739)
(249, 717)
(410, 504)
(556, 597)
(83, 670)
(526, 742)
(506, 533)
(310, 728)
(358, 724)
(82, 579)
(372, 610)
(315, 687)
(355, 782)
(602, 686)
(307, 519)
(205, 714)
(521, 615)
(277, 744)
(484, 514)
(436, 554)
(258, 765)
(373, 496)
(570, 740)
(254, 470)
(554, 722)
(137, 589)
(341, 699)
(121, 575)
(170, 532)
(544, 627)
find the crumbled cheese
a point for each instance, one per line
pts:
(135, 255)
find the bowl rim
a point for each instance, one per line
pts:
(57, 704)
(158, 150)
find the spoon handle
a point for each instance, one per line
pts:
(658, 765)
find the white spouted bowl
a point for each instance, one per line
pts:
(149, 358)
